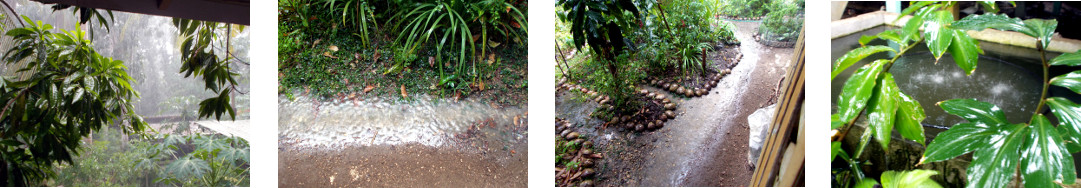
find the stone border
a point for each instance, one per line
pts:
(773, 43)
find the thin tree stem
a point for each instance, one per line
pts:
(1043, 95)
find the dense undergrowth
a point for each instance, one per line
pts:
(112, 159)
(401, 49)
(784, 20)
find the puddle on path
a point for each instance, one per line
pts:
(376, 143)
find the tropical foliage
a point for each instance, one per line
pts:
(1041, 151)
(161, 160)
(450, 41)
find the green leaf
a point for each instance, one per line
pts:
(866, 39)
(956, 141)
(911, 31)
(835, 121)
(855, 56)
(882, 108)
(857, 90)
(1070, 81)
(937, 33)
(866, 183)
(1069, 117)
(835, 147)
(974, 111)
(187, 167)
(989, 6)
(1045, 159)
(1041, 29)
(1071, 59)
(909, 116)
(994, 21)
(909, 179)
(994, 165)
(965, 51)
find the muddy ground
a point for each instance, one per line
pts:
(706, 144)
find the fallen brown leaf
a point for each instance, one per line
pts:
(375, 57)
(368, 89)
(404, 95)
(328, 55)
(431, 61)
(480, 85)
(333, 48)
(491, 58)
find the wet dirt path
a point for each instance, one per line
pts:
(388, 144)
(706, 144)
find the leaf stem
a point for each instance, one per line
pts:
(1046, 84)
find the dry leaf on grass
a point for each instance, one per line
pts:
(491, 58)
(333, 48)
(431, 61)
(368, 89)
(404, 95)
(328, 55)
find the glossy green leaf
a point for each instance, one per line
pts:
(866, 183)
(937, 34)
(1041, 29)
(1068, 114)
(965, 51)
(913, 6)
(1070, 81)
(857, 90)
(958, 140)
(1071, 59)
(835, 121)
(989, 6)
(911, 30)
(1044, 158)
(909, 116)
(1071, 142)
(881, 109)
(891, 35)
(866, 39)
(835, 147)
(994, 21)
(994, 165)
(974, 111)
(855, 56)
(909, 179)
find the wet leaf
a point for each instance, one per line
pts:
(855, 56)
(994, 21)
(937, 34)
(835, 121)
(909, 116)
(965, 51)
(974, 111)
(1071, 59)
(1045, 159)
(889, 35)
(911, 31)
(857, 90)
(834, 148)
(881, 109)
(1068, 114)
(1070, 81)
(1041, 29)
(909, 179)
(956, 141)
(994, 165)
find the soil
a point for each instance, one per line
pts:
(706, 144)
(401, 166)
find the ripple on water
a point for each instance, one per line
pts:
(335, 124)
